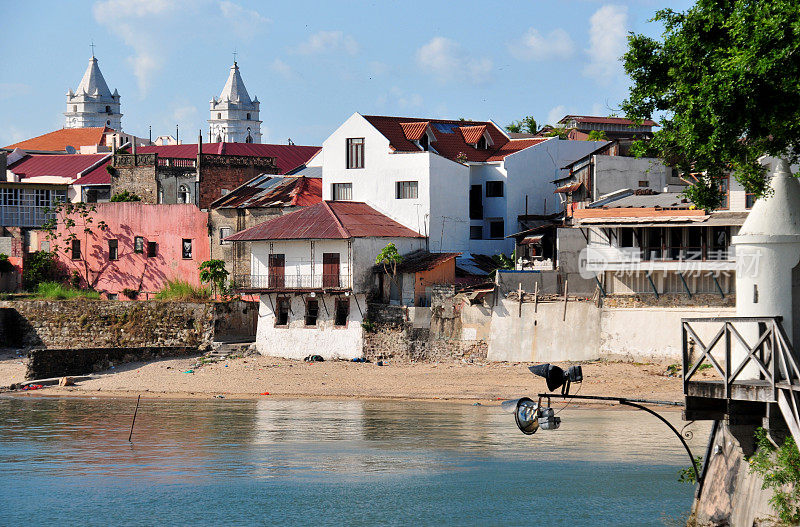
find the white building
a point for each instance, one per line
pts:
(93, 104)
(313, 269)
(234, 116)
(463, 184)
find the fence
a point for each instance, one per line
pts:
(292, 281)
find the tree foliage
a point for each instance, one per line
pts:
(526, 125)
(41, 266)
(725, 74)
(389, 258)
(597, 135)
(125, 196)
(780, 470)
(213, 272)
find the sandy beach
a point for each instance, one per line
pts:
(260, 376)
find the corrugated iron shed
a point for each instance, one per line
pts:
(327, 220)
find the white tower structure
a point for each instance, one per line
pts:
(768, 256)
(93, 104)
(234, 116)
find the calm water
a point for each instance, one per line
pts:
(272, 462)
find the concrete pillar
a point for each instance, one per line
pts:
(767, 253)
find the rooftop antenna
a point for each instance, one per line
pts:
(177, 141)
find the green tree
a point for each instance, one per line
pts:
(597, 135)
(213, 272)
(125, 196)
(724, 74)
(527, 125)
(389, 258)
(41, 266)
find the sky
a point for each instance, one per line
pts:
(312, 64)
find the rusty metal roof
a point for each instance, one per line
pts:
(566, 189)
(273, 191)
(327, 220)
(418, 261)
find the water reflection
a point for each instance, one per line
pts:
(388, 446)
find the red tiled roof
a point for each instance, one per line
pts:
(605, 120)
(449, 137)
(514, 146)
(415, 130)
(287, 157)
(54, 165)
(59, 140)
(472, 134)
(327, 220)
(266, 191)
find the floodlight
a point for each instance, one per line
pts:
(556, 377)
(526, 415)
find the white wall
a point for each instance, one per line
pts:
(613, 173)
(297, 254)
(298, 340)
(449, 205)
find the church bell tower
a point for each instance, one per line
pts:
(93, 104)
(234, 116)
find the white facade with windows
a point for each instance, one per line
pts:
(92, 104)
(234, 116)
(433, 194)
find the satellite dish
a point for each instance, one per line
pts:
(70, 149)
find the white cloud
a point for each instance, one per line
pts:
(399, 99)
(246, 23)
(283, 69)
(327, 42)
(10, 90)
(608, 29)
(446, 60)
(131, 20)
(555, 114)
(556, 45)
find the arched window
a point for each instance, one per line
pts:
(219, 116)
(183, 194)
(108, 109)
(249, 138)
(74, 107)
(248, 116)
(108, 123)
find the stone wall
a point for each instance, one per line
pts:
(139, 180)
(48, 363)
(101, 323)
(393, 336)
(229, 172)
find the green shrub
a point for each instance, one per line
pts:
(56, 291)
(125, 196)
(41, 266)
(181, 290)
(780, 469)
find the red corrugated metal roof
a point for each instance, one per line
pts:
(605, 120)
(96, 176)
(58, 140)
(34, 165)
(415, 130)
(566, 189)
(327, 220)
(287, 157)
(449, 141)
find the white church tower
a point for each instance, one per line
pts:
(93, 104)
(234, 116)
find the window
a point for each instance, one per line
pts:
(312, 312)
(113, 249)
(423, 142)
(496, 229)
(644, 183)
(138, 245)
(476, 232)
(186, 249)
(626, 237)
(76, 249)
(282, 311)
(248, 116)
(224, 232)
(494, 189)
(355, 153)
(152, 249)
(475, 202)
(183, 194)
(111, 296)
(342, 191)
(219, 116)
(481, 144)
(749, 200)
(406, 190)
(724, 186)
(342, 312)
(108, 109)
(97, 194)
(74, 107)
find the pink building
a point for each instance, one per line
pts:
(142, 248)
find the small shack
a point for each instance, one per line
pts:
(417, 275)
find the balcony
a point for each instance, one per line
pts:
(278, 282)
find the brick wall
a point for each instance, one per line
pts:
(229, 172)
